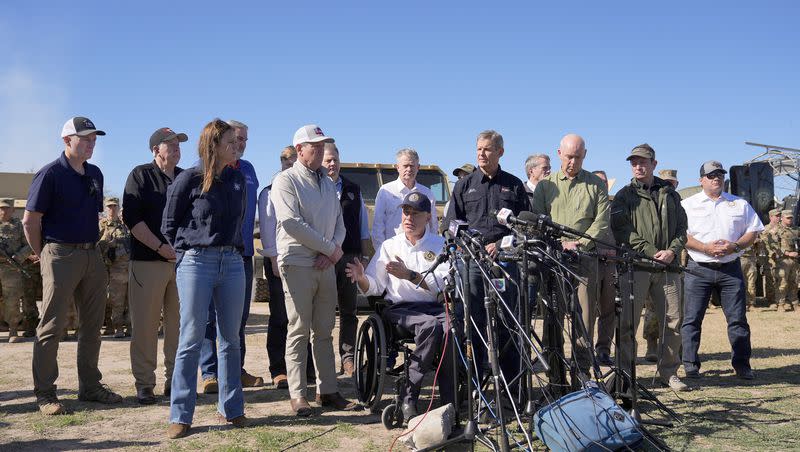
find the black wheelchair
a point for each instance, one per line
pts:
(376, 341)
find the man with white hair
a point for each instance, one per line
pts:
(309, 237)
(390, 195)
(537, 167)
(208, 351)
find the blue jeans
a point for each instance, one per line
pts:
(728, 283)
(206, 276)
(208, 351)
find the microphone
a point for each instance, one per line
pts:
(506, 217)
(498, 278)
(473, 236)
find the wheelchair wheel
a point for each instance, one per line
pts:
(392, 417)
(370, 362)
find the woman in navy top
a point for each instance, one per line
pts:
(203, 222)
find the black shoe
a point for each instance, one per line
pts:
(694, 374)
(604, 359)
(409, 411)
(145, 396)
(745, 374)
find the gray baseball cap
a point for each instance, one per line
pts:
(710, 167)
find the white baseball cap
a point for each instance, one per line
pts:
(310, 133)
(80, 126)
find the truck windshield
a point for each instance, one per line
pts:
(429, 178)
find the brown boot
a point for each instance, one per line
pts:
(210, 386)
(300, 406)
(337, 402)
(251, 381)
(238, 422)
(652, 351)
(175, 430)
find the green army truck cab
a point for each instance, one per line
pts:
(370, 177)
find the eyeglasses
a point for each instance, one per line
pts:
(715, 175)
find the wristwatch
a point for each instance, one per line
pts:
(736, 247)
(412, 275)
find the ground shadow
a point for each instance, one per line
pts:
(72, 444)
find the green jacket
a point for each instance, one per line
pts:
(580, 203)
(635, 221)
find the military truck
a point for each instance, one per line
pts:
(370, 177)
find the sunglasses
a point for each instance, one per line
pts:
(715, 175)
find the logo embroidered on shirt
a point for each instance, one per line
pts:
(429, 256)
(236, 186)
(504, 189)
(471, 190)
(351, 196)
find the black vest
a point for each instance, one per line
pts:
(351, 214)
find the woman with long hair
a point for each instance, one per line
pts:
(203, 222)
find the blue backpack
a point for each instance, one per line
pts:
(586, 420)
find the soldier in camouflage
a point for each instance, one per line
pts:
(771, 245)
(750, 271)
(786, 294)
(114, 247)
(13, 251)
(32, 292)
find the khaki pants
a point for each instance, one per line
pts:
(665, 291)
(587, 298)
(151, 291)
(311, 310)
(66, 272)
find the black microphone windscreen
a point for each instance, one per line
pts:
(528, 216)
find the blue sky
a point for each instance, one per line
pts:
(694, 79)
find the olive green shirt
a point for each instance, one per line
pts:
(580, 203)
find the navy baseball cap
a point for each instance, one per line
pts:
(417, 201)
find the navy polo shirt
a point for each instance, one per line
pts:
(68, 200)
(193, 219)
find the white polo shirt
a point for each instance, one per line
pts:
(728, 218)
(417, 257)
(388, 213)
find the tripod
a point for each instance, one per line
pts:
(617, 377)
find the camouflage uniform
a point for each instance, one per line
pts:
(12, 240)
(114, 247)
(787, 269)
(32, 292)
(769, 262)
(750, 273)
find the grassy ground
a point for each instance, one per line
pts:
(721, 412)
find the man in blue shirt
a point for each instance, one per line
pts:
(208, 352)
(61, 227)
(356, 243)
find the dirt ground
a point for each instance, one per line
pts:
(721, 413)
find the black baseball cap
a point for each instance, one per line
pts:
(417, 201)
(165, 134)
(79, 125)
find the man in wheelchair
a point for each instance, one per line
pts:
(396, 268)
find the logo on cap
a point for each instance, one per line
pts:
(88, 124)
(167, 129)
(318, 131)
(413, 197)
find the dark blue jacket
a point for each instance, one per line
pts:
(193, 219)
